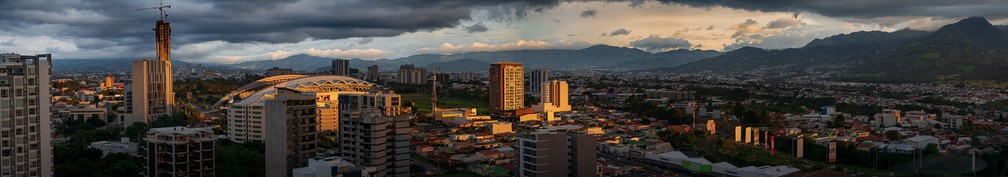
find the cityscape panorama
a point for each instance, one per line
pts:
(505, 88)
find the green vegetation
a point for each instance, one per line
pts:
(246, 159)
(458, 174)
(422, 103)
(931, 56)
(637, 106)
(89, 162)
(72, 158)
(1001, 105)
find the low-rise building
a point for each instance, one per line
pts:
(112, 147)
(331, 167)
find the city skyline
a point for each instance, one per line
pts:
(807, 91)
(77, 30)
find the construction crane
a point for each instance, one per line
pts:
(161, 8)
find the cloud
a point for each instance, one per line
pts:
(617, 32)
(710, 27)
(589, 13)
(656, 43)
(476, 28)
(791, 37)
(748, 27)
(115, 25)
(279, 54)
(866, 9)
(366, 40)
(517, 45)
(784, 23)
(352, 53)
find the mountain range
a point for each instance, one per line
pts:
(594, 57)
(971, 49)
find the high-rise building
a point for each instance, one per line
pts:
(109, 82)
(162, 35)
(291, 134)
(553, 97)
(387, 102)
(409, 74)
(372, 73)
(26, 148)
(179, 151)
(556, 154)
(370, 138)
(341, 67)
(152, 80)
(276, 71)
(151, 89)
(536, 78)
(506, 86)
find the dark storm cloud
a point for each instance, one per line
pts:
(116, 22)
(476, 28)
(656, 43)
(617, 32)
(866, 9)
(589, 13)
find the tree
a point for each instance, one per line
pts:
(234, 159)
(96, 122)
(838, 121)
(135, 131)
(892, 135)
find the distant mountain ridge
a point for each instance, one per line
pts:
(971, 49)
(91, 65)
(594, 57)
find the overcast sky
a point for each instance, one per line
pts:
(230, 31)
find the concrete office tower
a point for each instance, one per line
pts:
(553, 97)
(291, 135)
(409, 74)
(179, 151)
(341, 67)
(372, 74)
(152, 94)
(506, 86)
(536, 78)
(25, 116)
(556, 154)
(372, 139)
(109, 82)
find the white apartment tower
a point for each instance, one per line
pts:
(25, 128)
